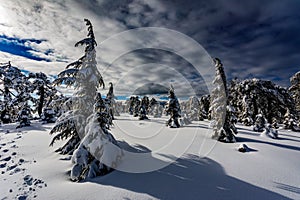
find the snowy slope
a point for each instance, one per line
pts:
(208, 169)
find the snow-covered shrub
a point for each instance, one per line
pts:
(290, 122)
(143, 113)
(24, 116)
(48, 115)
(243, 148)
(274, 124)
(259, 124)
(191, 108)
(269, 132)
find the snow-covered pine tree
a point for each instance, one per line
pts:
(295, 90)
(97, 147)
(12, 79)
(24, 116)
(152, 102)
(110, 97)
(247, 112)
(48, 115)
(130, 105)
(118, 108)
(270, 132)
(23, 99)
(173, 109)
(223, 128)
(274, 123)
(192, 110)
(252, 96)
(59, 105)
(85, 77)
(204, 105)
(155, 109)
(6, 105)
(146, 102)
(143, 108)
(45, 90)
(137, 103)
(259, 123)
(290, 121)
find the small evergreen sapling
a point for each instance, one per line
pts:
(48, 115)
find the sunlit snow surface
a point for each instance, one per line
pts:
(208, 170)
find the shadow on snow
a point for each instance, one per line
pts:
(190, 177)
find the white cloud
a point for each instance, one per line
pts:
(60, 23)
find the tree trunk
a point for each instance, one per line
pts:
(41, 100)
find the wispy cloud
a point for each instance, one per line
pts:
(24, 47)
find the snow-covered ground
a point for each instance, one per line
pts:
(30, 169)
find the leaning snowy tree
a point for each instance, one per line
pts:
(223, 128)
(87, 122)
(85, 77)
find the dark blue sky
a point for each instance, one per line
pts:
(17, 46)
(257, 38)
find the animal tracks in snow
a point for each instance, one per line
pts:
(21, 185)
